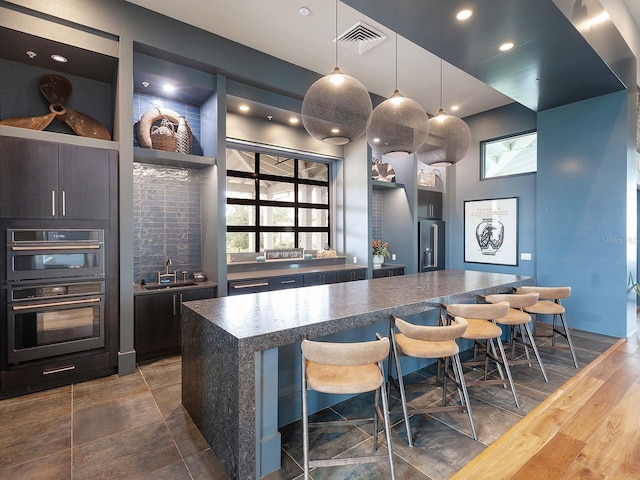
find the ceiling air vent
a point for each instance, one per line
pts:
(360, 37)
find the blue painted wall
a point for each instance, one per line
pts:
(576, 214)
(581, 228)
(463, 183)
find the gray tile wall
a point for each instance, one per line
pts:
(166, 216)
(377, 204)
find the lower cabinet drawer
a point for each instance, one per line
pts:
(248, 286)
(319, 278)
(290, 281)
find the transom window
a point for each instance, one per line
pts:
(275, 202)
(513, 155)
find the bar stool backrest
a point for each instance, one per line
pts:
(432, 333)
(516, 300)
(346, 354)
(485, 311)
(547, 293)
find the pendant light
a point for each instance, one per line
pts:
(449, 138)
(337, 108)
(399, 125)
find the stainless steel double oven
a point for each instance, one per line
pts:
(55, 281)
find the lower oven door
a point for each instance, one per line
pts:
(52, 327)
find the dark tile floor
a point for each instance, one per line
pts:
(135, 427)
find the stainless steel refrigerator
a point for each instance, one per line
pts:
(431, 245)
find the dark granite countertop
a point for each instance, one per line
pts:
(140, 290)
(279, 272)
(272, 319)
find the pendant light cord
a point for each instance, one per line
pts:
(336, 37)
(441, 84)
(396, 60)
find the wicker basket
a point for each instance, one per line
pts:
(163, 137)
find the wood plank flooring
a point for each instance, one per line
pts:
(587, 429)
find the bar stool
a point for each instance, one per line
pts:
(482, 328)
(345, 368)
(437, 342)
(517, 321)
(549, 304)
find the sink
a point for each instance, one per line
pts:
(160, 286)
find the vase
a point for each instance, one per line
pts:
(378, 260)
(182, 136)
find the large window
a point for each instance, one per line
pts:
(512, 155)
(276, 202)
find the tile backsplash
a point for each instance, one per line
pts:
(166, 220)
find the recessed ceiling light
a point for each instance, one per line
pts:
(59, 58)
(167, 87)
(304, 11)
(244, 108)
(293, 120)
(31, 54)
(506, 46)
(464, 14)
(454, 108)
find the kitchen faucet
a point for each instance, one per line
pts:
(167, 266)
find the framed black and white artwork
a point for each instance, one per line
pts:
(491, 231)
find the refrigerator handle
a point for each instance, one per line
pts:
(435, 245)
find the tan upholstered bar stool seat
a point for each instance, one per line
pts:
(517, 321)
(482, 327)
(345, 368)
(549, 303)
(437, 342)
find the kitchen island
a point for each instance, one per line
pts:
(230, 349)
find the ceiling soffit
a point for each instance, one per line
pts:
(551, 64)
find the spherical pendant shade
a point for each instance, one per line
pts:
(399, 126)
(448, 141)
(336, 109)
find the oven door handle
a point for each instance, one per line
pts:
(55, 247)
(55, 304)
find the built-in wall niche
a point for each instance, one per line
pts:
(26, 58)
(143, 102)
(166, 217)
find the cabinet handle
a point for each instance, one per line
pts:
(250, 285)
(180, 309)
(64, 203)
(173, 298)
(58, 370)
(53, 203)
(283, 282)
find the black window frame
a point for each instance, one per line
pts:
(257, 202)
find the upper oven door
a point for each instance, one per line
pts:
(54, 257)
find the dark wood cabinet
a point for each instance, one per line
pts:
(389, 271)
(319, 278)
(429, 204)
(288, 281)
(157, 331)
(351, 275)
(50, 181)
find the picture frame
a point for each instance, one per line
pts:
(491, 231)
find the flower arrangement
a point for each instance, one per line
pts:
(380, 248)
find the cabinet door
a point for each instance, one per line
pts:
(83, 183)
(429, 204)
(320, 278)
(240, 287)
(351, 275)
(290, 281)
(156, 325)
(29, 178)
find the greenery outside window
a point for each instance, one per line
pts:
(506, 156)
(276, 202)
